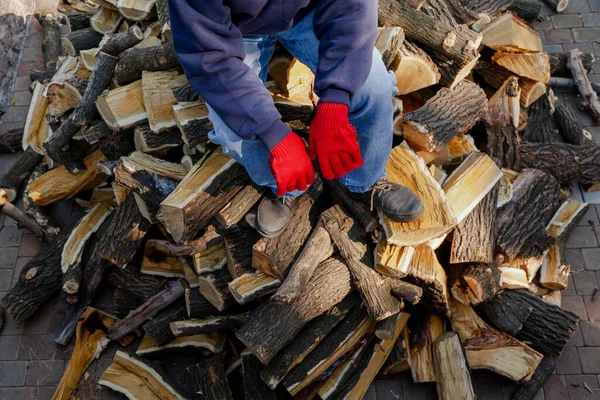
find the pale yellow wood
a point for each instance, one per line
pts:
(531, 91)
(213, 342)
(392, 260)
(564, 216)
(453, 377)
(421, 354)
(159, 99)
(554, 275)
(244, 286)
(190, 275)
(158, 260)
(120, 192)
(61, 98)
(509, 33)
(150, 41)
(105, 20)
(138, 161)
(58, 184)
(211, 259)
(406, 168)
(333, 382)
(36, 127)
(123, 107)
(102, 195)
(535, 66)
(470, 183)
(414, 69)
(135, 10)
(459, 146)
(88, 58)
(531, 265)
(513, 278)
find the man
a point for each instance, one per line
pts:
(224, 47)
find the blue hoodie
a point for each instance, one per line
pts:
(207, 35)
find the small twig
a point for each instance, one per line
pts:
(585, 385)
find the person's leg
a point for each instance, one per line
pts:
(370, 111)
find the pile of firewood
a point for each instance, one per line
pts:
(342, 295)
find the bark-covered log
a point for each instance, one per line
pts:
(136, 60)
(241, 203)
(558, 63)
(557, 5)
(209, 379)
(214, 286)
(11, 182)
(254, 387)
(82, 39)
(10, 141)
(449, 359)
(186, 93)
(571, 128)
(197, 306)
(147, 141)
(96, 131)
(124, 303)
(139, 285)
(534, 66)
(588, 94)
(566, 162)
(238, 248)
(274, 256)
(399, 360)
(388, 43)
(313, 333)
(483, 280)
(125, 234)
(51, 43)
(541, 126)
(414, 69)
(528, 10)
(159, 327)
(449, 113)
(22, 220)
(192, 120)
(274, 325)
(40, 214)
(252, 286)
(79, 21)
(424, 330)
(39, 279)
(358, 209)
(220, 323)
(521, 223)
(121, 41)
(530, 389)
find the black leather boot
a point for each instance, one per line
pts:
(273, 215)
(396, 201)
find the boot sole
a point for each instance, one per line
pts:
(408, 218)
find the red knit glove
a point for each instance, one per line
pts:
(333, 141)
(290, 165)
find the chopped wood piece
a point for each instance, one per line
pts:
(192, 120)
(105, 20)
(214, 342)
(557, 5)
(147, 141)
(413, 68)
(123, 107)
(186, 211)
(238, 248)
(219, 323)
(449, 113)
(388, 42)
(159, 260)
(406, 168)
(62, 97)
(399, 360)
(566, 218)
(274, 256)
(535, 66)
(11, 181)
(242, 202)
(135, 60)
(159, 327)
(483, 281)
(125, 234)
(531, 91)
(138, 161)
(197, 306)
(40, 214)
(22, 220)
(423, 332)
(158, 98)
(427, 273)
(555, 272)
(36, 127)
(392, 260)
(252, 286)
(211, 259)
(452, 73)
(254, 387)
(135, 10)
(488, 348)
(559, 61)
(214, 286)
(116, 43)
(513, 278)
(528, 10)
(271, 327)
(509, 33)
(358, 209)
(186, 94)
(136, 380)
(530, 389)
(190, 275)
(541, 126)
(82, 39)
(345, 372)
(453, 377)
(51, 43)
(589, 95)
(571, 127)
(209, 379)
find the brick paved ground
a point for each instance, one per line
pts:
(31, 364)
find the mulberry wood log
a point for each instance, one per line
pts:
(424, 330)
(399, 360)
(529, 390)
(238, 248)
(214, 286)
(159, 327)
(105, 20)
(119, 42)
(449, 359)
(571, 128)
(198, 306)
(535, 66)
(12, 180)
(271, 327)
(254, 387)
(147, 141)
(192, 120)
(241, 203)
(82, 39)
(414, 69)
(22, 220)
(558, 63)
(40, 214)
(588, 94)
(449, 113)
(252, 286)
(274, 256)
(528, 10)
(135, 60)
(10, 141)
(219, 323)
(557, 5)
(509, 33)
(392, 260)
(139, 285)
(125, 234)
(209, 379)
(356, 208)
(388, 42)
(541, 125)
(186, 93)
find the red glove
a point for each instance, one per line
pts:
(290, 165)
(333, 141)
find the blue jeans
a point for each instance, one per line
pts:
(370, 111)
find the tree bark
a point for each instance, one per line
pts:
(51, 43)
(356, 208)
(23, 221)
(192, 120)
(220, 323)
(82, 39)
(214, 287)
(424, 330)
(11, 182)
(136, 60)
(238, 247)
(571, 128)
(142, 286)
(449, 359)
(254, 387)
(79, 21)
(209, 380)
(530, 389)
(528, 10)
(558, 63)
(149, 142)
(589, 96)
(241, 203)
(159, 326)
(197, 306)
(10, 141)
(121, 41)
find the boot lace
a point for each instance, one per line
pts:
(381, 186)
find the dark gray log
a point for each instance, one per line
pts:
(121, 41)
(136, 60)
(82, 39)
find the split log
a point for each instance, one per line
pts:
(40, 214)
(488, 348)
(528, 10)
(36, 127)
(547, 327)
(347, 335)
(39, 279)
(509, 33)
(535, 66)
(78, 21)
(96, 131)
(221, 323)
(345, 372)
(557, 5)
(124, 303)
(147, 141)
(531, 91)
(190, 275)
(210, 260)
(392, 260)
(62, 97)
(274, 256)
(151, 307)
(406, 168)
(483, 282)
(136, 10)
(138, 161)
(566, 162)
(192, 120)
(90, 342)
(399, 360)
(22, 220)
(306, 341)
(571, 128)
(159, 260)
(123, 107)
(554, 273)
(254, 387)
(559, 61)
(135, 379)
(423, 332)
(388, 42)
(380, 294)
(187, 209)
(427, 273)
(414, 69)
(95, 269)
(197, 306)
(530, 389)
(449, 360)
(51, 43)
(158, 98)
(105, 20)
(541, 127)
(238, 248)
(271, 327)
(214, 286)
(241, 203)
(358, 209)
(119, 42)
(521, 231)
(125, 234)
(186, 94)
(567, 217)
(11, 182)
(158, 328)
(10, 141)
(451, 72)
(136, 60)
(88, 59)
(162, 9)
(589, 96)
(513, 278)
(252, 286)
(449, 113)
(82, 39)
(209, 379)
(213, 343)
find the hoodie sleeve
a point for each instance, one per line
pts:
(347, 30)
(211, 50)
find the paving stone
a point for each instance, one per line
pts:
(585, 282)
(577, 338)
(591, 333)
(592, 308)
(389, 389)
(542, 25)
(10, 236)
(38, 324)
(56, 320)
(9, 347)
(30, 246)
(591, 259)
(61, 210)
(552, 48)
(8, 257)
(590, 359)
(577, 389)
(591, 216)
(46, 372)
(559, 36)
(5, 279)
(583, 47)
(543, 37)
(586, 34)
(570, 290)
(370, 394)
(37, 347)
(21, 262)
(590, 19)
(574, 258)
(26, 67)
(36, 54)
(22, 83)
(594, 5)
(16, 114)
(46, 392)
(555, 388)
(12, 373)
(576, 305)
(488, 386)
(566, 21)
(582, 237)
(577, 6)
(15, 393)
(422, 391)
(568, 363)
(11, 327)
